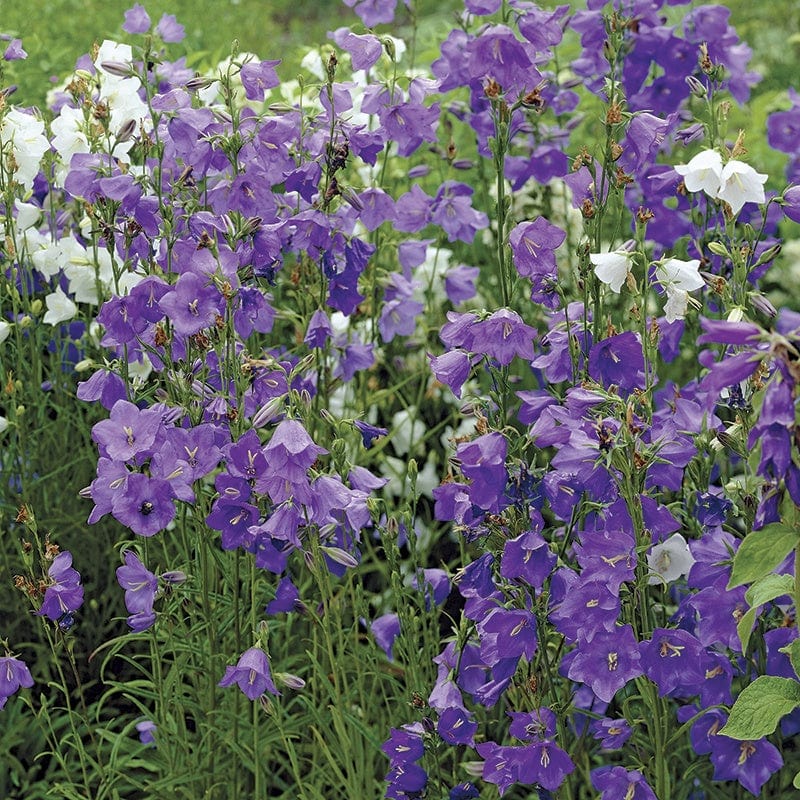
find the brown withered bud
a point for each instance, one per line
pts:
(587, 209)
(160, 337)
(706, 64)
(23, 515)
(614, 114)
(333, 62)
(100, 111)
(583, 159)
(201, 341)
(205, 241)
(332, 190)
(622, 178)
(492, 89)
(24, 585)
(534, 99)
(338, 156)
(616, 151)
(738, 148)
(718, 284)
(644, 215)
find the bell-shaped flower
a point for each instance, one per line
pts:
(702, 173)
(741, 184)
(611, 268)
(251, 674)
(59, 307)
(14, 675)
(669, 560)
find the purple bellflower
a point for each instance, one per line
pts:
(251, 674)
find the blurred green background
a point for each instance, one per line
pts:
(56, 32)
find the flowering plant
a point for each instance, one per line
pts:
(391, 380)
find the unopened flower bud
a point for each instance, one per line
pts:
(339, 556)
(268, 412)
(250, 226)
(198, 83)
(289, 680)
(768, 255)
(696, 87)
(736, 314)
(175, 576)
(126, 131)
(719, 249)
(760, 303)
(119, 68)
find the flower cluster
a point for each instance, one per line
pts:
(512, 457)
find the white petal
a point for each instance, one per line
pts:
(677, 274)
(59, 308)
(611, 268)
(669, 560)
(702, 173)
(741, 184)
(676, 305)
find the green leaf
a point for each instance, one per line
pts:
(762, 551)
(745, 627)
(793, 651)
(759, 708)
(762, 591)
(768, 588)
(796, 781)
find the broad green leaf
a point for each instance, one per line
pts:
(796, 781)
(768, 588)
(762, 591)
(745, 627)
(759, 708)
(762, 551)
(793, 651)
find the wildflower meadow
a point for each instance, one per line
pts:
(416, 420)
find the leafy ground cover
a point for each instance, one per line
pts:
(413, 419)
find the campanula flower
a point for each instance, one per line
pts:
(251, 674)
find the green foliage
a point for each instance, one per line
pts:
(762, 551)
(759, 708)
